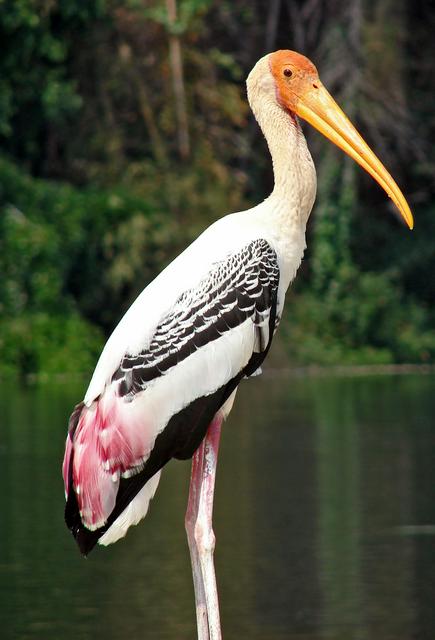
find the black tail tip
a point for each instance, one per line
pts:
(86, 539)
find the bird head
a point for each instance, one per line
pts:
(298, 90)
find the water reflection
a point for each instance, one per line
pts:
(325, 520)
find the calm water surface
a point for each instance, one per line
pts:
(324, 516)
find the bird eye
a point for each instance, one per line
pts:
(288, 73)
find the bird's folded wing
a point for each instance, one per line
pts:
(241, 287)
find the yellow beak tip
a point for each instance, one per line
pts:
(410, 221)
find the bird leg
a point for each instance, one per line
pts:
(200, 534)
(190, 521)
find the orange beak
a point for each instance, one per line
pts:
(317, 107)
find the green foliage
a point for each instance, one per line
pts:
(362, 318)
(78, 257)
(336, 202)
(48, 344)
(36, 43)
(71, 258)
(189, 11)
(95, 200)
(352, 315)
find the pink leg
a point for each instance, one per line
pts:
(190, 521)
(200, 532)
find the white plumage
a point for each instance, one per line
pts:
(133, 514)
(169, 373)
(115, 434)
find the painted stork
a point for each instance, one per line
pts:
(168, 374)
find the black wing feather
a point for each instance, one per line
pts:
(237, 288)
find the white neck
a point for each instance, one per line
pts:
(294, 173)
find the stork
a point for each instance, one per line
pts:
(167, 377)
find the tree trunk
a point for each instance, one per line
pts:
(176, 60)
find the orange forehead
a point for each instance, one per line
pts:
(290, 88)
(285, 57)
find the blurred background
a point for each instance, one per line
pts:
(125, 131)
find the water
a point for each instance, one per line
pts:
(324, 516)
